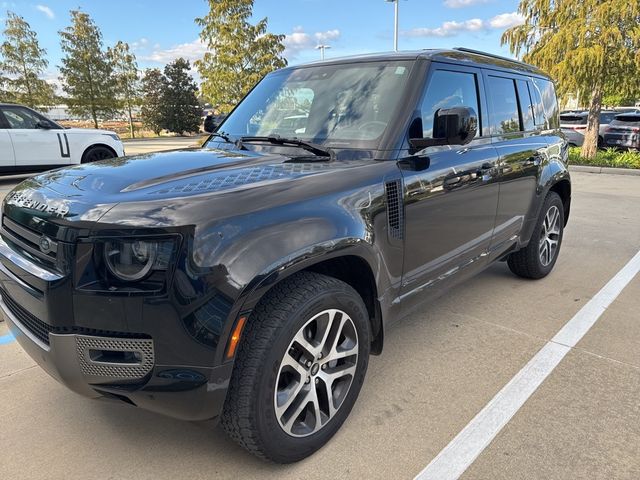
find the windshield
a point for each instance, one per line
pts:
(340, 106)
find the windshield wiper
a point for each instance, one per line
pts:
(226, 138)
(314, 148)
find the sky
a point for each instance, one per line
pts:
(161, 30)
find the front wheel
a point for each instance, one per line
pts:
(95, 154)
(537, 259)
(299, 369)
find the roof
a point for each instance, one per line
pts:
(458, 56)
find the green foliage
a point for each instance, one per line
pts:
(589, 46)
(125, 71)
(239, 55)
(606, 158)
(22, 63)
(619, 100)
(181, 111)
(153, 87)
(86, 71)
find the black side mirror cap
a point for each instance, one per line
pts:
(451, 126)
(44, 124)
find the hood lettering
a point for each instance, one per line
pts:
(29, 199)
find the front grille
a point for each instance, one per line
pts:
(36, 246)
(37, 327)
(41, 330)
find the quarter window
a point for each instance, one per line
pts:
(447, 90)
(504, 106)
(549, 100)
(526, 108)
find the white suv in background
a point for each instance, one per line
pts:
(31, 142)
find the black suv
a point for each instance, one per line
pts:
(251, 279)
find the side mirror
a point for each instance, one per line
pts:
(44, 124)
(451, 126)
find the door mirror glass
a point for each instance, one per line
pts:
(451, 126)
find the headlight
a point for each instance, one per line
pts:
(131, 260)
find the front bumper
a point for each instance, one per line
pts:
(117, 365)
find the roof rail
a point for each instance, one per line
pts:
(492, 55)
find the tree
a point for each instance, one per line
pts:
(86, 72)
(588, 46)
(125, 71)
(181, 110)
(239, 54)
(23, 62)
(153, 87)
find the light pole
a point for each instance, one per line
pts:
(322, 48)
(395, 23)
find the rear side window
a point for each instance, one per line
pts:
(448, 89)
(606, 117)
(503, 105)
(526, 108)
(549, 101)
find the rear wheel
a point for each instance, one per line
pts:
(98, 153)
(537, 259)
(299, 369)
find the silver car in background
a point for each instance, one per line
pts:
(574, 126)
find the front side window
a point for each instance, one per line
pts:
(20, 118)
(503, 105)
(339, 106)
(448, 89)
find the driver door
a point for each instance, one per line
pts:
(451, 204)
(35, 146)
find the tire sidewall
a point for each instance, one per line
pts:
(281, 446)
(92, 150)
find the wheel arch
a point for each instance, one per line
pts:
(563, 189)
(352, 266)
(95, 145)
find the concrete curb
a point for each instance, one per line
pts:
(607, 170)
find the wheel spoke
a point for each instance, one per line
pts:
(304, 401)
(332, 375)
(289, 361)
(306, 345)
(316, 411)
(338, 354)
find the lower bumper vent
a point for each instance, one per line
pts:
(115, 358)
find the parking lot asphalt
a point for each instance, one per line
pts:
(440, 367)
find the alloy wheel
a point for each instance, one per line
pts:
(549, 236)
(316, 373)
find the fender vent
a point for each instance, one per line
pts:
(395, 214)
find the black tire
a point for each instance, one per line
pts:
(95, 154)
(249, 414)
(528, 262)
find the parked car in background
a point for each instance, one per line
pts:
(31, 142)
(624, 131)
(574, 125)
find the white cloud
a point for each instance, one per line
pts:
(453, 28)
(463, 3)
(191, 51)
(447, 29)
(46, 10)
(506, 20)
(299, 40)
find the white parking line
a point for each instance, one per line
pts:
(462, 451)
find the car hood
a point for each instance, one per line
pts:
(210, 180)
(86, 131)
